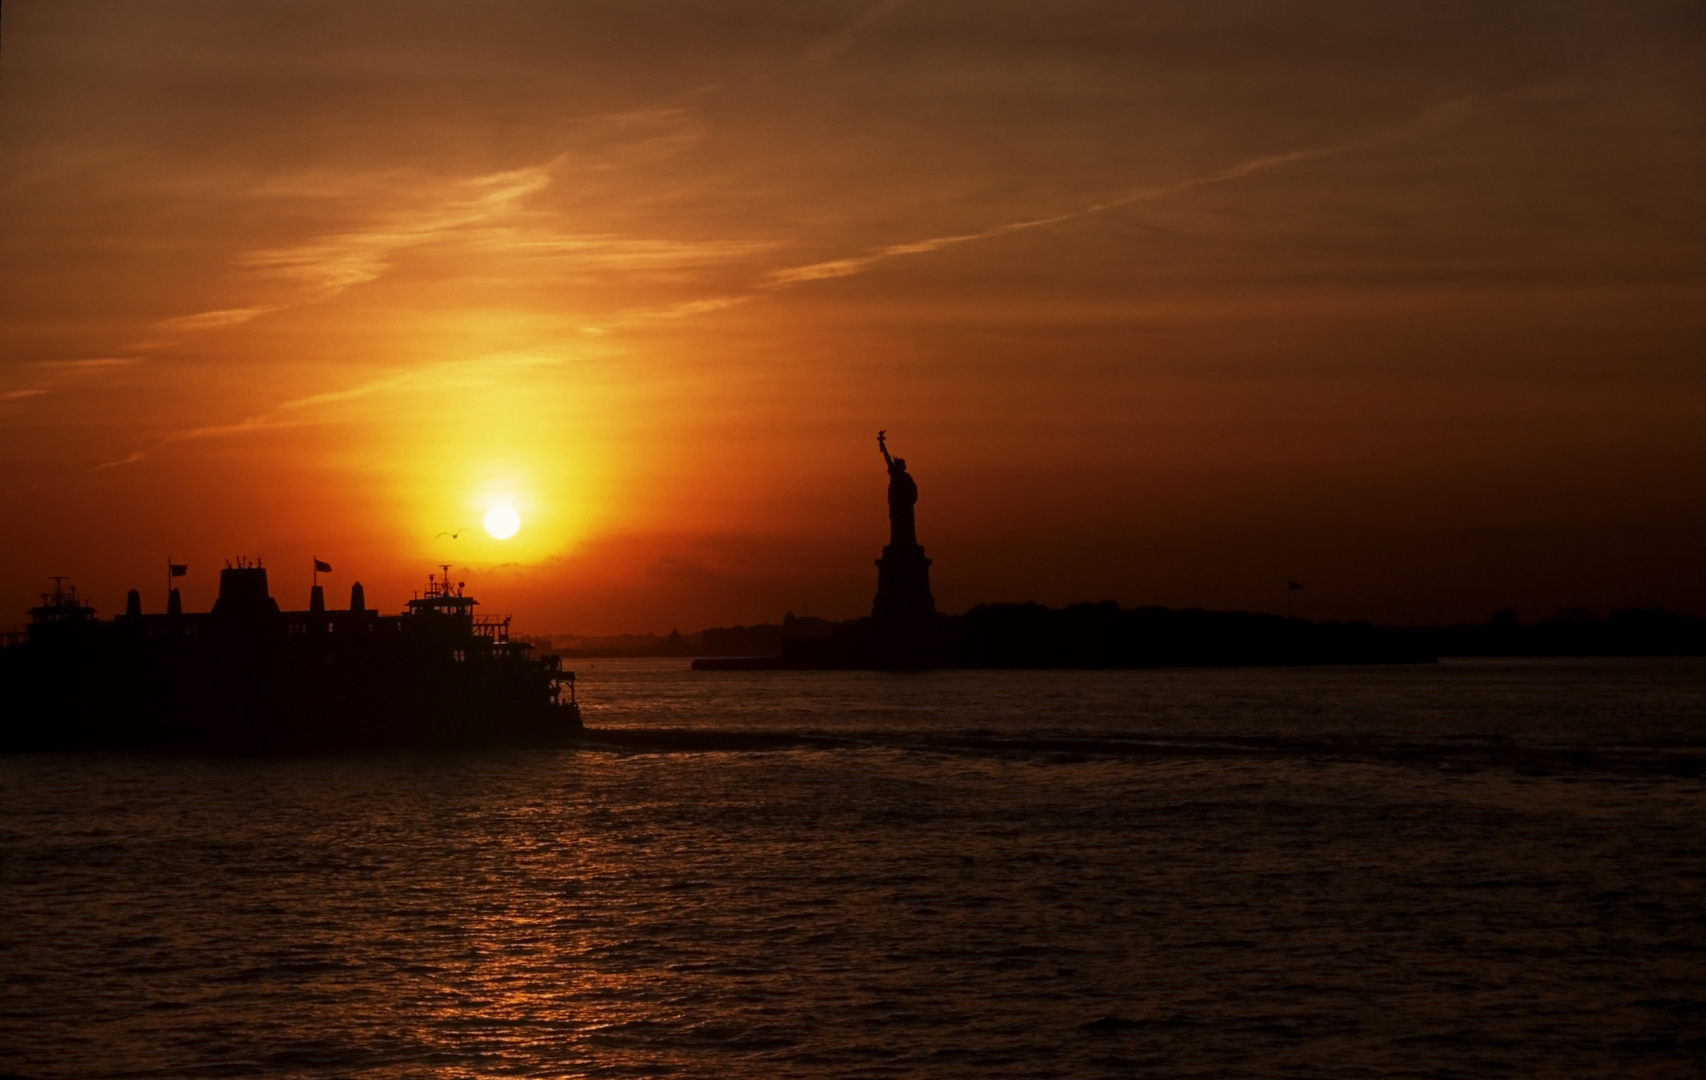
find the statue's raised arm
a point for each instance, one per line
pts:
(882, 445)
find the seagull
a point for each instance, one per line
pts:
(457, 535)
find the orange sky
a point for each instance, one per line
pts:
(1163, 302)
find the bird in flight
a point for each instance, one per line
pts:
(457, 535)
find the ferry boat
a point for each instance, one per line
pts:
(249, 676)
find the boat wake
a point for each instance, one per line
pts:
(1672, 757)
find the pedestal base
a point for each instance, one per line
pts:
(903, 586)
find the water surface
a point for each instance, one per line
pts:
(1465, 869)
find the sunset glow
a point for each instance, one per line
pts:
(502, 522)
(1164, 305)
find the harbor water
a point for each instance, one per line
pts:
(1469, 869)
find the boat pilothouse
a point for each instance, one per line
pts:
(443, 611)
(60, 607)
(250, 675)
(61, 616)
(440, 597)
(443, 605)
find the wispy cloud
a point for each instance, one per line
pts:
(854, 27)
(214, 320)
(278, 416)
(607, 252)
(336, 262)
(480, 217)
(54, 374)
(684, 310)
(331, 264)
(87, 367)
(429, 380)
(858, 264)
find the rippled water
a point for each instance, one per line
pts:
(1469, 869)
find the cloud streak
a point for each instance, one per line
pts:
(272, 418)
(331, 264)
(852, 30)
(57, 373)
(214, 320)
(433, 379)
(484, 217)
(340, 261)
(87, 367)
(858, 264)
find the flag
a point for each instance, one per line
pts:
(178, 569)
(322, 568)
(1293, 586)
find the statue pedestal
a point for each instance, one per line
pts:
(903, 586)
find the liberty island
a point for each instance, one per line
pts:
(904, 631)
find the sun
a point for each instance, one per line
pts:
(502, 521)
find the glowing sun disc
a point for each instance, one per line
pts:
(502, 522)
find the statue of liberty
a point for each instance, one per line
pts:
(903, 494)
(903, 573)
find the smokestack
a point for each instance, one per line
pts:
(357, 599)
(133, 604)
(174, 603)
(317, 599)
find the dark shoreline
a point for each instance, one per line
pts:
(1106, 636)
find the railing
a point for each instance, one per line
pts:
(495, 627)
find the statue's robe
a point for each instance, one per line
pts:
(903, 493)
